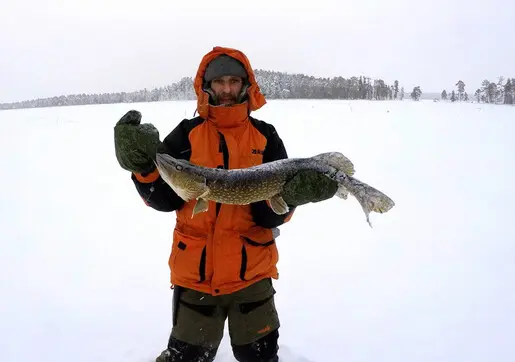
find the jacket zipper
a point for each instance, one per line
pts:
(222, 147)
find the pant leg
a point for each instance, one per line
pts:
(198, 327)
(254, 323)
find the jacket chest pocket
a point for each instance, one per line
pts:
(189, 256)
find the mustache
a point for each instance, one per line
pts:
(227, 96)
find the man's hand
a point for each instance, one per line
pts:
(308, 186)
(135, 143)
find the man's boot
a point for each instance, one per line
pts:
(179, 351)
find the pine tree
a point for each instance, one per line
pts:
(499, 95)
(396, 89)
(485, 84)
(461, 89)
(444, 95)
(415, 95)
(478, 95)
(508, 92)
(492, 92)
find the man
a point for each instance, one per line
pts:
(222, 261)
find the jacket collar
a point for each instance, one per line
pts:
(229, 116)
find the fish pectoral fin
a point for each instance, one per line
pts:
(278, 205)
(201, 205)
(204, 194)
(342, 192)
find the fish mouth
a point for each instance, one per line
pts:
(169, 165)
(166, 162)
(168, 168)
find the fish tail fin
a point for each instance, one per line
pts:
(336, 160)
(370, 199)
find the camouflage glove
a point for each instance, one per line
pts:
(135, 144)
(308, 186)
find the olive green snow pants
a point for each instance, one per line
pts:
(199, 318)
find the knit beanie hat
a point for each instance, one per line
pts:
(224, 65)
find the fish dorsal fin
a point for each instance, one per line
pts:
(336, 160)
(278, 205)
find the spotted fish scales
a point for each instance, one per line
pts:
(264, 182)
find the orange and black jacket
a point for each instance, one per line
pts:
(230, 246)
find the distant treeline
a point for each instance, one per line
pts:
(500, 92)
(275, 85)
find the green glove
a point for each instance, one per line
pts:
(308, 186)
(135, 143)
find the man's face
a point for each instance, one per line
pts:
(227, 89)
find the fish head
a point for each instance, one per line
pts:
(181, 175)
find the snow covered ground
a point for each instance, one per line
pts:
(83, 263)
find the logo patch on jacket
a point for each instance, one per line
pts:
(256, 151)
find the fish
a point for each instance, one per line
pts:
(264, 182)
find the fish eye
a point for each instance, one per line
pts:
(178, 167)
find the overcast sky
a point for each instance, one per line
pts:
(51, 47)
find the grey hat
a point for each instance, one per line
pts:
(224, 65)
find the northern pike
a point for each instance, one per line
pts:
(262, 182)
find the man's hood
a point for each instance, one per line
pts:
(256, 99)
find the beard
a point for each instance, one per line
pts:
(227, 99)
